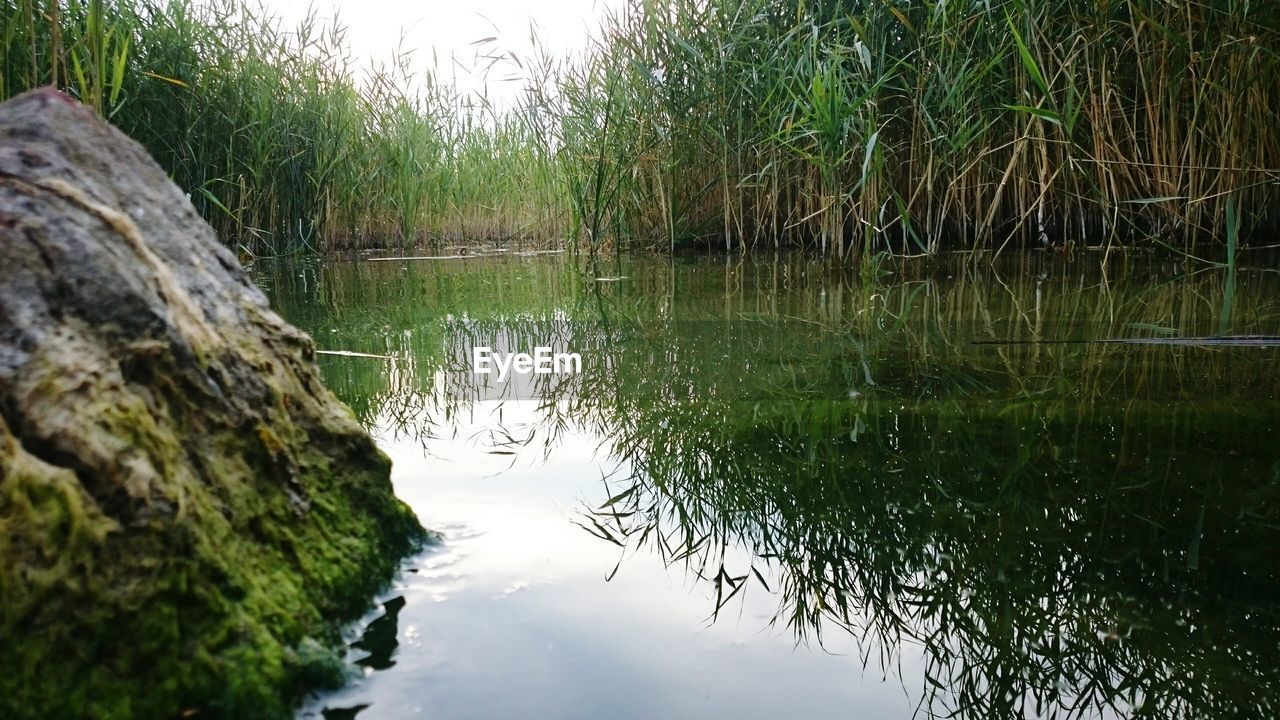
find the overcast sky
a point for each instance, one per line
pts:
(451, 28)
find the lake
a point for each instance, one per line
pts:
(777, 489)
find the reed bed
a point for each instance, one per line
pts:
(850, 128)
(283, 142)
(913, 126)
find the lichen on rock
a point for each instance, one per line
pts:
(185, 511)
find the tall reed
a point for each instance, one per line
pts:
(282, 142)
(913, 126)
(844, 127)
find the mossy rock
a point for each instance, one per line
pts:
(185, 511)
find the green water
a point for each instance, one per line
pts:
(776, 489)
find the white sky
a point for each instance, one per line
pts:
(451, 28)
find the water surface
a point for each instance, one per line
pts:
(779, 490)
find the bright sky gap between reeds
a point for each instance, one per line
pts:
(456, 38)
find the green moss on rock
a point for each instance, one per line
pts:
(186, 513)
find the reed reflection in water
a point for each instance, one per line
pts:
(1060, 529)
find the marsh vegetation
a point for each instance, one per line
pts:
(282, 141)
(884, 420)
(844, 127)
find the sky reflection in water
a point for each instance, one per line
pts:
(786, 472)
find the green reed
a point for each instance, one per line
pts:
(282, 142)
(859, 125)
(845, 127)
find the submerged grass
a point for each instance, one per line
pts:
(843, 127)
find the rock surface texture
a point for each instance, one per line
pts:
(185, 510)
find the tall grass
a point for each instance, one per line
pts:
(845, 127)
(282, 142)
(917, 125)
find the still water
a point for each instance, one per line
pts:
(778, 490)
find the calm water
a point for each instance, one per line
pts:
(780, 491)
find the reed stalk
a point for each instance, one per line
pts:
(849, 127)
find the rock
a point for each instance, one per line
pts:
(184, 508)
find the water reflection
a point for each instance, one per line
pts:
(1063, 529)
(348, 713)
(379, 640)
